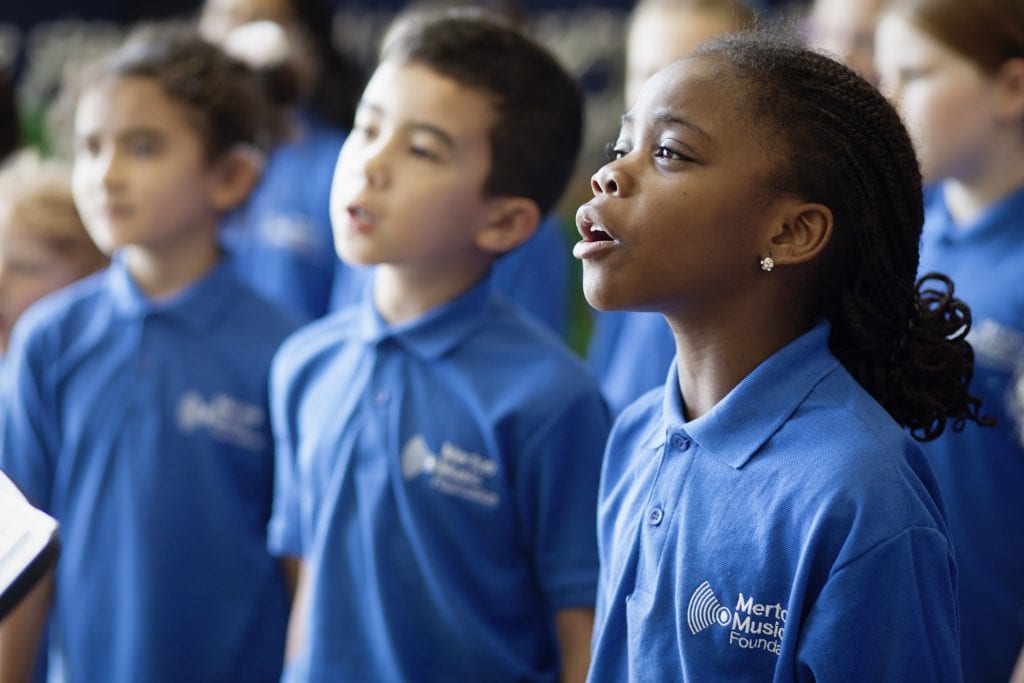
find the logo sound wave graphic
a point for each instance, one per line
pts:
(705, 609)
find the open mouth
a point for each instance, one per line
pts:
(597, 239)
(590, 227)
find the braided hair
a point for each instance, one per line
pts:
(838, 142)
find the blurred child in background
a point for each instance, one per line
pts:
(630, 350)
(956, 70)
(280, 239)
(135, 401)
(845, 30)
(438, 449)
(43, 244)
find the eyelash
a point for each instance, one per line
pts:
(613, 152)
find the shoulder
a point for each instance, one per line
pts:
(858, 468)
(60, 314)
(312, 345)
(529, 355)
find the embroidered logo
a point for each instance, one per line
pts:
(453, 471)
(752, 625)
(228, 419)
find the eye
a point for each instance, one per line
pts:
(424, 153)
(670, 153)
(144, 149)
(87, 147)
(615, 150)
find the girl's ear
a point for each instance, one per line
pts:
(1010, 79)
(510, 222)
(802, 233)
(234, 175)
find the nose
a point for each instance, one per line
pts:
(368, 159)
(108, 169)
(611, 179)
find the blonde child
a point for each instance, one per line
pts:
(43, 244)
(135, 401)
(956, 70)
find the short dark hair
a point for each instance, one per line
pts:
(537, 136)
(836, 140)
(227, 97)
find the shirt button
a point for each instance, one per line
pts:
(655, 516)
(680, 442)
(381, 396)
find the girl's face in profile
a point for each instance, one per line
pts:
(679, 215)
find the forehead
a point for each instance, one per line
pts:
(410, 92)
(697, 87)
(118, 102)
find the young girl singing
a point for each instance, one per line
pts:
(767, 516)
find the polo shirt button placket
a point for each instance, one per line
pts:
(680, 442)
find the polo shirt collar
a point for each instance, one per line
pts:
(199, 306)
(437, 331)
(757, 407)
(999, 216)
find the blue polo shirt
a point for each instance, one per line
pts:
(143, 428)
(981, 469)
(630, 352)
(535, 276)
(793, 532)
(280, 239)
(439, 478)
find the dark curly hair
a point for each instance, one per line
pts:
(837, 141)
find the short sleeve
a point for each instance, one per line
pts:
(29, 427)
(284, 531)
(889, 615)
(557, 496)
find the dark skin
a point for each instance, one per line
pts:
(680, 220)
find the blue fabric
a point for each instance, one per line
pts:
(143, 428)
(535, 276)
(981, 469)
(630, 352)
(440, 480)
(280, 239)
(793, 532)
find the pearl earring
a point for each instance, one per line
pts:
(767, 264)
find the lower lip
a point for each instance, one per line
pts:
(590, 250)
(360, 225)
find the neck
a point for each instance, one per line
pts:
(716, 350)
(403, 293)
(166, 270)
(968, 198)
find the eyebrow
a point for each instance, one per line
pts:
(668, 117)
(139, 132)
(440, 133)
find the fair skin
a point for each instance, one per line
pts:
(408, 196)
(660, 35)
(408, 191)
(143, 184)
(679, 222)
(967, 124)
(846, 29)
(29, 269)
